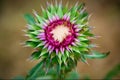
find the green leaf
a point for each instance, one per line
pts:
(75, 49)
(83, 44)
(35, 32)
(40, 45)
(44, 13)
(30, 19)
(60, 58)
(73, 11)
(83, 18)
(72, 56)
(82, 38)
(86, 77)
(64, 58)
(81, 48)
(31, 43)
(67, 53)
(35, 55)
(33, 36)
(81, 6)
(35, 70)
(59, 11)
(83, 15)
(88, 33)
(77, 55)
(83, 58)
(65, 9)
(44, 51)
(97, 55)
(112, 73)
(47, 77)
(49, 15)
(39, 18)
(73, 76)
(52, 9)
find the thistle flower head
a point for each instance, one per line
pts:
(60, 35)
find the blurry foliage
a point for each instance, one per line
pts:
(52, 74)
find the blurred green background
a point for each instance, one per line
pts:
(13, 55)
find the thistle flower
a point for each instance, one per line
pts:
(60, 36)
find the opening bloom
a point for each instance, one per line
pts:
(60, 38)
(59, 33)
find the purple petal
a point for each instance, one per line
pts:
(56, 51)
(50, 19)
(50, 51)
(62, 49)
(68, 48)
(65, 16)
(77, 40)
(45, 42)
(77, 34)
(57, 17)
(78, 29)
(46, 45)
(41, 35)
(68, 18)
(49, 47)
(42, 38)
(73, 44)
(54, 18)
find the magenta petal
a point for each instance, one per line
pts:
(50, 19)
(75, 26)
(77, 30)
(46, 45)
(77, 40)
(68, 49)
(54, 18)
(42, 38)
(62, 50)
(73, 44)
(49, 47)
(41, 34)
(56, 51)
(44, 42)
(68, 18)
(77, 34)
(57, 17)
(65, 17)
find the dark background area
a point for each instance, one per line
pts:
(13, 55)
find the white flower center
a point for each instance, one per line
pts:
(60, 32)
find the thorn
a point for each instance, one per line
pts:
(42, 8)
(60, 3)
(76, 4)
(24, 30)
(48, 4)
(82, 10)
(22, 43)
